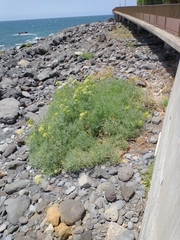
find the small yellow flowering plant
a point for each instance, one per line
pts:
(38, 179)
(87, 123)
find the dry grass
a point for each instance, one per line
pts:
(121, 32)
(104, 73)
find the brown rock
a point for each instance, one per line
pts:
(9, 150)
(63, 231)
(140, 83)
(127, 191)
(110, 194)
(20, 142)
(71, 211)
(53, 215)
(125, 173)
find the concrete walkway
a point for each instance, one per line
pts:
(168, 38)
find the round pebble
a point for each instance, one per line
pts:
(130, 225)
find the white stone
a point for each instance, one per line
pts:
(130, 225)
(78, 53)
(2, 199)
(114, 231)
(70, 190)
(111, 214)
(23, 192)
(84, 181)
(32, 208)
(43, 223)
(26, 94)
(3, 227)
(23, 63)
(49, 228)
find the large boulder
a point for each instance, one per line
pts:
(12, 93)
(45, 74)
(71, 211)
(16, 186)
(9, 109)
(41, 49)
(7, 82)
(11, 63)
(16, 208)
(125, 173)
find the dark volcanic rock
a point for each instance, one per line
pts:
(71, 211)
(127, 191)
(16, 186)
(16, 208)
(9, 150)
(110, 194)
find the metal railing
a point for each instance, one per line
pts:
(166, 17)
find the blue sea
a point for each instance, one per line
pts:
(16, 33)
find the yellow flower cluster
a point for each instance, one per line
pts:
(83, 89)
(43, 131)
(74, 82)
(66, 110)
(82, 115)
(64, 84)
(38, 179)
(147, 115)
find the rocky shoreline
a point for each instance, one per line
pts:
(106, 202)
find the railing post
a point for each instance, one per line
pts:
(156, 16)
(179, 30)
(165, 18)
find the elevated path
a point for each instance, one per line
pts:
(161, 219)
(160, 20)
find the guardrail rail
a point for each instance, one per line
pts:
(166, 17)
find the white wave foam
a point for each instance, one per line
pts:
(18, 45)
(31, 41)
(24, 34)
(2, 47)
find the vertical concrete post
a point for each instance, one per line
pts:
(167, 46)
(139, 29)
(162, 214)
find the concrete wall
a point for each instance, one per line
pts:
(162, 215)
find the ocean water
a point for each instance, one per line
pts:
(16, 33)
